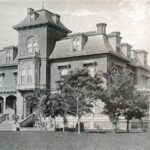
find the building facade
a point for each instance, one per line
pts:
(46, 51)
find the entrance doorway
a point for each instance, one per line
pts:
(11, 105)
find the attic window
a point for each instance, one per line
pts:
(76, 44)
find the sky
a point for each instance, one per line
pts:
(130, 17)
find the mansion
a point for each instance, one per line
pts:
(47, 50)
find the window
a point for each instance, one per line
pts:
(116, 69)
(29, 75)
(23, 76)
(32, 45)
(1, 81)
(91, 68)
(8, 56)
(64, 70)
(76, 44)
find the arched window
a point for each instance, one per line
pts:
(29, 75)
(32, 45)
(76, 44)
(23, 76)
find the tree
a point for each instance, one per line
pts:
(137, 108)
(122, 99)
(84, 91)
(60, 103)
(52, 106)
(36, 102)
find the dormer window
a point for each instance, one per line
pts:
(8, 56)
(32, 45)
(76, 44)
(32, 17)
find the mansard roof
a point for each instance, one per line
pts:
(96, 44)
(43, 17)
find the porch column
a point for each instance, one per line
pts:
(24, 108)
(4, 105)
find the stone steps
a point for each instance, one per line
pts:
(7, 125)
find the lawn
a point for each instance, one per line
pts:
(72, 141)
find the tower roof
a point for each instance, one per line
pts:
(41, 17)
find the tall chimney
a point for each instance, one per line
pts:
(114, 39)
(101, 28)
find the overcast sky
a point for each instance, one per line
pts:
(130, 17)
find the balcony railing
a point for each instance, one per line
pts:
(5, 89)
(31, 86)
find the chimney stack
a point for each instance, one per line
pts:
(101, 28)
(114, 39)
(142, 56)
(30, 11)
(133, 54)
(126, 49)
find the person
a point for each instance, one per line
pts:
(17, 126)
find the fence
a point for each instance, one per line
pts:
(107, 125)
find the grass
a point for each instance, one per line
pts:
(73, 141)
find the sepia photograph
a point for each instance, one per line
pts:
(74, 74)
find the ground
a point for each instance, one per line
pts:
(73, 141)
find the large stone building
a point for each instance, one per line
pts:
(46, 51)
